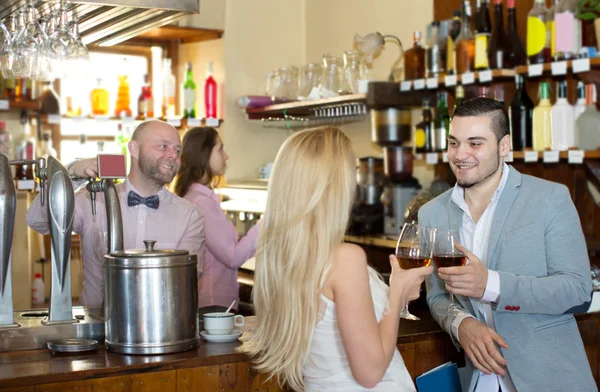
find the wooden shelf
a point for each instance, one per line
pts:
(183, 35)
(177, 122)
(19, 104)
(547, 67)
(519, 155)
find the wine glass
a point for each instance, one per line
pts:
(445, 254)
(413, 250)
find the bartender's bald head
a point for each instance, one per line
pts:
(155, 147)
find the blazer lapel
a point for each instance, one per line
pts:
(507, 198)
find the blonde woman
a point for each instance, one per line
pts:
(325, 319)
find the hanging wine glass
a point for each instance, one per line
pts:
(36, 31)
(6, 54)
(61, 43)
(25, 49)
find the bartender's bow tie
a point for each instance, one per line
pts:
(133, 199)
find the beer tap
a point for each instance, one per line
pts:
(8, 207)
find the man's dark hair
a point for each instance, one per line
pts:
(479, 107)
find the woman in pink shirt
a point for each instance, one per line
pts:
(203, 160)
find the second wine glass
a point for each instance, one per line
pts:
(413, 250)
(445, 254)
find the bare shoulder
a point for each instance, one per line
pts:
(350, 263)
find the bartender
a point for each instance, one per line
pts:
(149, 210)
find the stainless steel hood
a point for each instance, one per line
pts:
(108, 22)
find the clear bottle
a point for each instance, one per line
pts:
(538, 35)
(433, 59)
(189, 93)
(515, 52)
(453, 34)
(563, 122)
(552, 27)
(414, 59)
(587, 125)
(520, 115)
(168, 102)
(580, 103)
(210, 93)
(482, 36)
(5, 141)
(123, 106)
(465, 43)
(542, 120)
(38, 290)
(567, 30)
(460, 96)
(100, 101)
(45, 146)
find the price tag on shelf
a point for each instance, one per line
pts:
(468, 78)
(419, 84)
(101, 118)
(535, 69)
(509, 157)
(450, 80)
(363, 86)
(54, 118)
(531, 156)
(445, 157)
(432, 158)
(485, 76)
(194, 122)
(559, 68)
(212, 122)
(405, 86)
(4, 104)
(174, 122)
(419, 156)
(127, 120)
(581, 65)
(551, 156)
(576, 156)
(432, 83)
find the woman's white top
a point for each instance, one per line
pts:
(327, 367)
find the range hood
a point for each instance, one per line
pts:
(108, 22)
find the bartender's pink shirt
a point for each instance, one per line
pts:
(176, 224)
(224, 254)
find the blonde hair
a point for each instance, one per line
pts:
(311, 191)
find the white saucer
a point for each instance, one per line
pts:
(222, 338)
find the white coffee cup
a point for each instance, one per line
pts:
(222, 323)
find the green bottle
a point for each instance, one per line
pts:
(189, 93)
(441, 124)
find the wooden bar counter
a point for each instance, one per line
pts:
(214, 366)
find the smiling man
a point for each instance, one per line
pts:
(528, 270)
(149, 210)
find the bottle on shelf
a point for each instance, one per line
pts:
(482, 35)
(520, 115)
(551, 26)
(453, 33)
(38, 290)
(542, 120)
(189, 93)
(580, 103)
(497, 57)
(498, 92)
(10, 87)
(123, 105)
(49, 100)
(441, 124)
(168, 102)
(72, 111)
(464, 47)
(423, 129)
(433, 58)
(563, 120)
(538, 36)
(5, 141)
(587, 125)
(23, 89)
(414, 59)
(567, 30)
(515, 52)
(460, 96)
(210, 93)
(45, 146)
(99, 98)
(25, 150)
(146, 101)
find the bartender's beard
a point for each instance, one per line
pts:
(151, 170)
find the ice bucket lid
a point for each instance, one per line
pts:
(149, 252)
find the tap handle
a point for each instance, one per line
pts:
(42, 175)
(94, 186)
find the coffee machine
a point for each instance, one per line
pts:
(367, 212)
(391, 128)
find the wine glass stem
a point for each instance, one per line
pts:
(452, 301)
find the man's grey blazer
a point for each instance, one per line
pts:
(537, 246)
